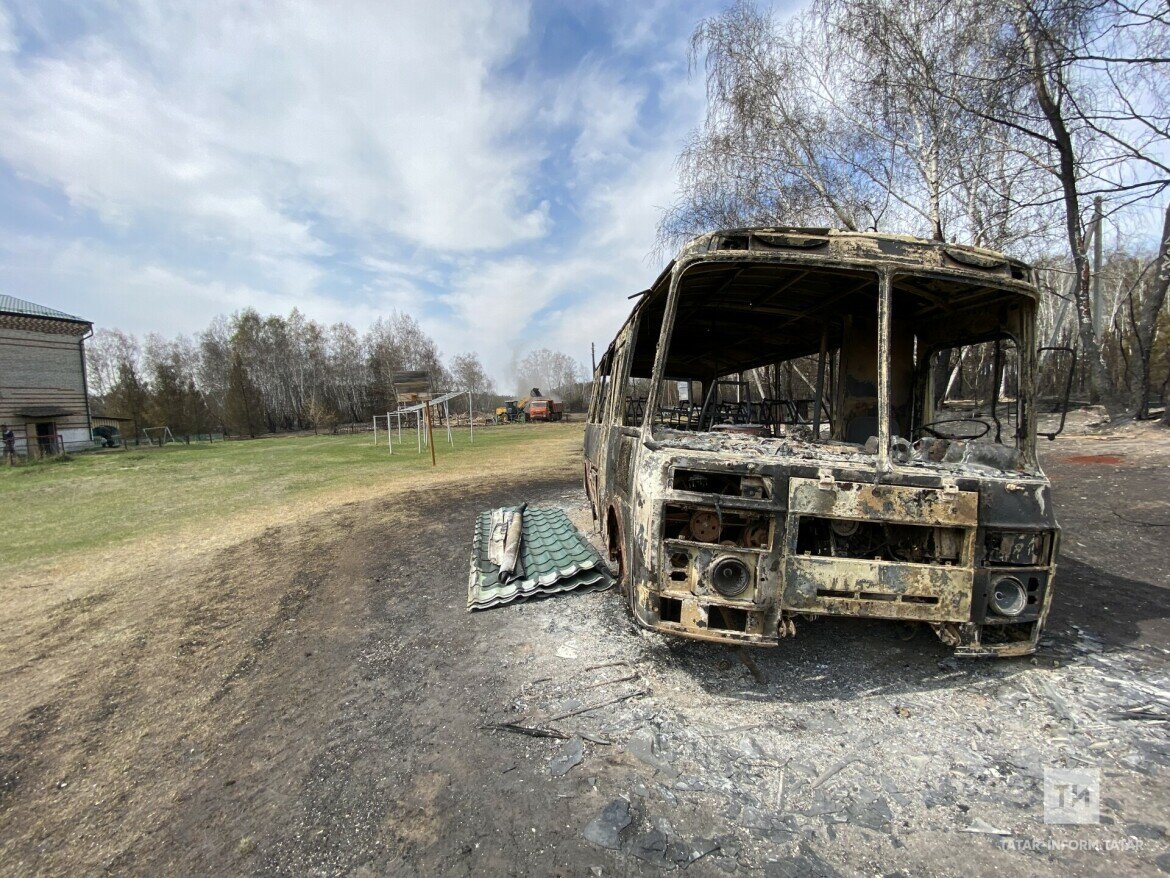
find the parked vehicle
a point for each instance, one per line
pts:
(511, 412)
(892, 473)
(544, 409)
(531, 408)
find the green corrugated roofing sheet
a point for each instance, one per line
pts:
(554, 556)
(13, 305)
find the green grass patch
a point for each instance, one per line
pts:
(100, 499)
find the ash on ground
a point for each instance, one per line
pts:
(854, 748)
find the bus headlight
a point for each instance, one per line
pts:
(730, 576)
(1008, 597)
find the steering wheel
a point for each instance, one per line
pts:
(929, 428)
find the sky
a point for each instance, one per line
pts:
(496, 169)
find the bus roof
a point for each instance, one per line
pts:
(740, 284)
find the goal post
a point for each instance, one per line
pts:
(158, 435)
(385, 419)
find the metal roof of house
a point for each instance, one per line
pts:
(13, 305)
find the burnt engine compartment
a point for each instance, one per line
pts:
(876, 540)
(717, 526)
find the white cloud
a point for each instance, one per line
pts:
(347, 160)
(622, 218)
(604, 107)
(142, 295)
(238, 123)
(7, 34)
(566, 299)
(494, 305)
(507, 307)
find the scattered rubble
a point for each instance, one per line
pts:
(570, 754)
(605, 829)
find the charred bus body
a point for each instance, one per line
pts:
(805, 422)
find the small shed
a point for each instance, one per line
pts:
(116, 430)
(42, 377)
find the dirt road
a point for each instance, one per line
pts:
(310, 701)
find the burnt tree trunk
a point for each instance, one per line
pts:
(1066, 171)
(1146, 329)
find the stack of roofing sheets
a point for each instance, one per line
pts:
(554, 558)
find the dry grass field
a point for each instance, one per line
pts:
(102, 507)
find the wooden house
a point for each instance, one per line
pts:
(42, 377)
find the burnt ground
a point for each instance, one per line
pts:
(311, 702)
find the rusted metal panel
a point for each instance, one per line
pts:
(883, 589)
(705, 620)
(834, 499)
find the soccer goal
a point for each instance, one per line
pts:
(159, 436)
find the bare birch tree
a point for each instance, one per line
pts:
(995, 123)
(775, 147)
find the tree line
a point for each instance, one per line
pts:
(249, 374)
(1036, 127)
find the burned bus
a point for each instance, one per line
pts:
(796, 423)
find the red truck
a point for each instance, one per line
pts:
(542, 409)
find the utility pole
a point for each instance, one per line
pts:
(430, 432)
